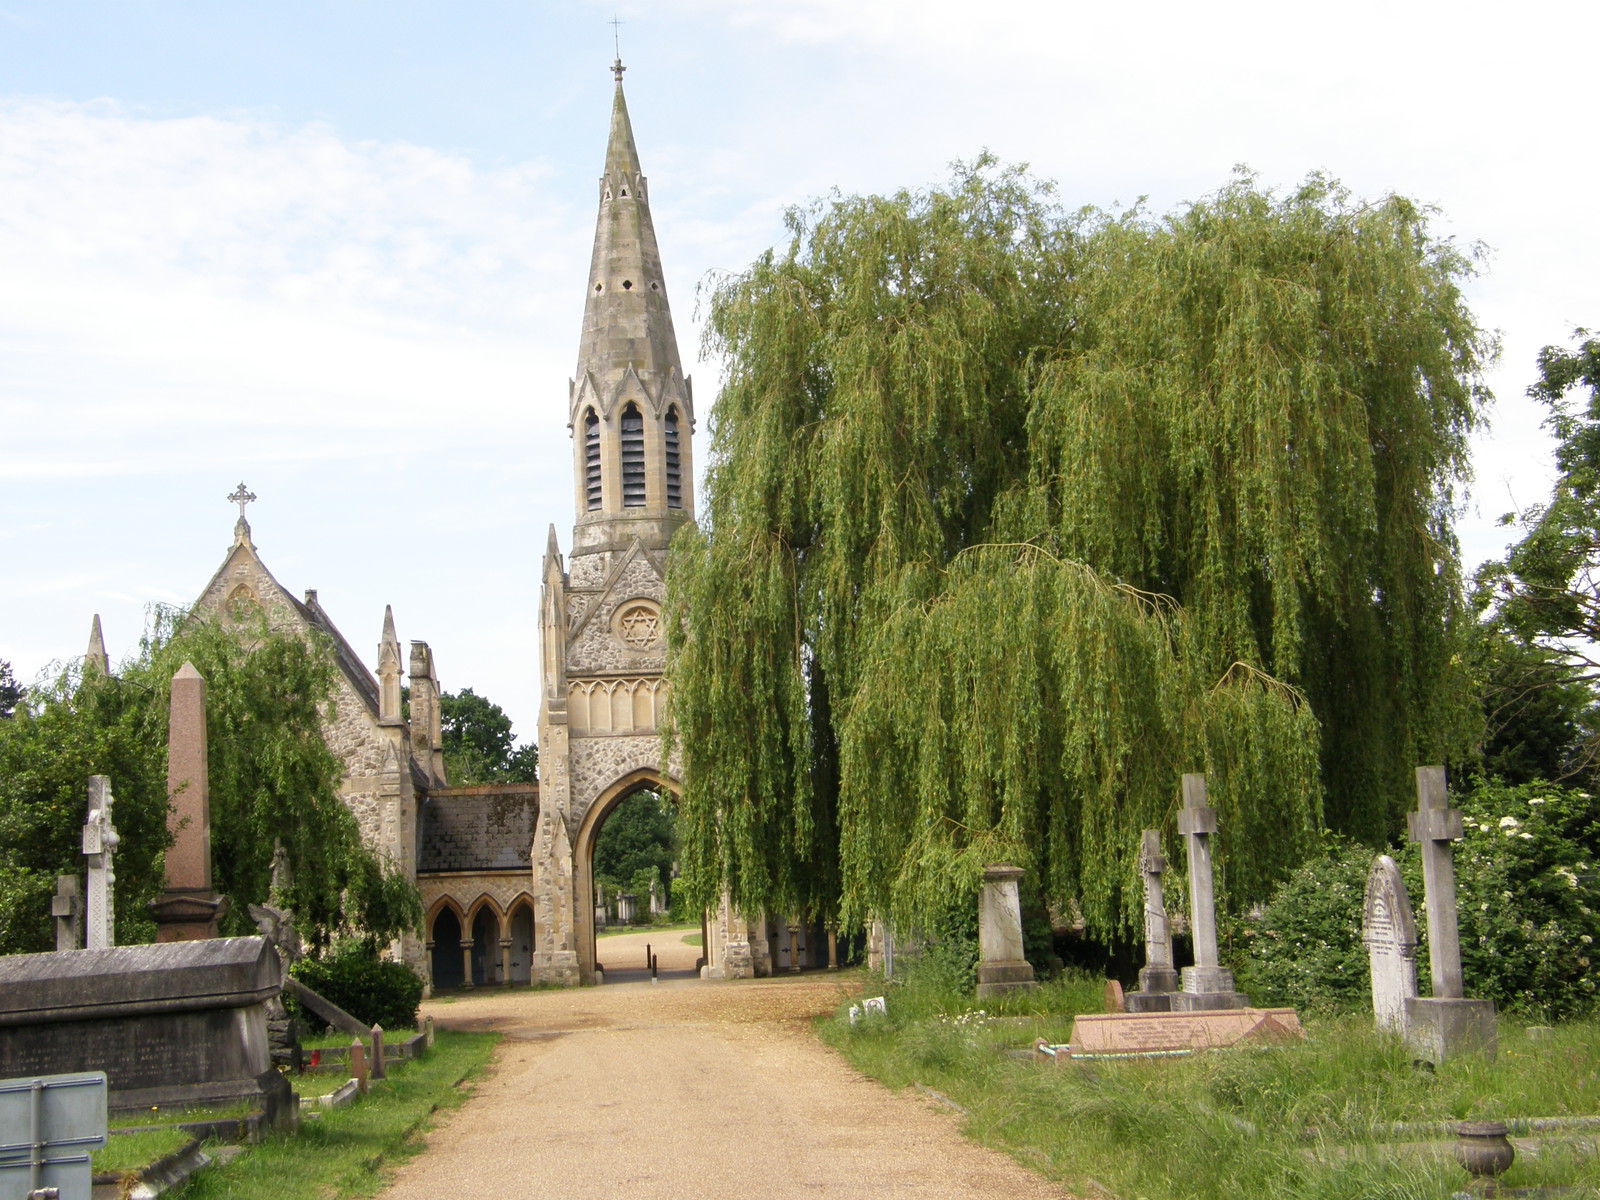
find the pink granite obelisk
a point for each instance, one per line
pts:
(188, 909)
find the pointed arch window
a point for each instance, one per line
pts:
(632, 458)
(674, 462)
(591, 460)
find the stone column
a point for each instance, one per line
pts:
(66, 906)
(188, 908)
(1207, 984)
(1158, 979)
(794, 948)
(833, 949)
(1444, 1024)
(100, 847)
(466, 963)
(1002, 966)
(505, 960)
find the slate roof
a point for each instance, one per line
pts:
(478, 828)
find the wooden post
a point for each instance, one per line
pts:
(358, 1065)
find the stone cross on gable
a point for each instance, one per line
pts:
(241, 496)
(1435, 824)
(99, 846)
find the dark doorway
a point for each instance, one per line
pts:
(446, 959)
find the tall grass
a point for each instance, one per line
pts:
(1308, 1120)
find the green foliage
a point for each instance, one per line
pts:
(1022, 513)
(1541, 719)
(1545, 595)
(271, 777)
(1528, 895)
(373, 990)
(478, 743)
(10, 693)
(636, 844)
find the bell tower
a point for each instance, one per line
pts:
(630, 407)
(630, 412)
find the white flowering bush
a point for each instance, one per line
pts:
(1528, 904)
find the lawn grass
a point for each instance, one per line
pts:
(344, 1151)
(622, 930)
(335, 1039)
(180, 1116)
(125, 1152)
(1307, 1120)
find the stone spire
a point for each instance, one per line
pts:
(631, 408)
(95, 657)
(388, 672)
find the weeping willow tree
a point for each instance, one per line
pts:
(1015, 514)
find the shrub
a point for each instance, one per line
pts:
(1527, 901)
(373, 990)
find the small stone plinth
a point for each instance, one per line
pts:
(995, 979)
(180, 1024)
(1206, 989)
(1156, 986)
(1437, 1028)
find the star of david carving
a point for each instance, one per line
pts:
(639, 626)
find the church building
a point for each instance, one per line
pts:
(506, 871)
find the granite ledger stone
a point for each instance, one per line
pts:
(171, 1024)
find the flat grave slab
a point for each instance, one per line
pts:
(1165, 1032)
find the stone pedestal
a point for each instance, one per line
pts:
(1206, 988)
(1156, 987)
(1440, 1028)
(1002, 966)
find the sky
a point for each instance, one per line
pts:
(337, 250)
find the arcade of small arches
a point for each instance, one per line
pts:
(485, 945)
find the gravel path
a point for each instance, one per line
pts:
(688, 1089)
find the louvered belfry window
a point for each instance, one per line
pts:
(591, 459)
(674, 463)
(632, 458)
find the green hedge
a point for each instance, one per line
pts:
(373, 990)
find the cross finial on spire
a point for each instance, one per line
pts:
(241, 497)
(616, 41)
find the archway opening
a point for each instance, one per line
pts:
(445, 956)
(485, 948)
(521, 926)
(625, 843)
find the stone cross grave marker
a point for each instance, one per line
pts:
(1390, 933)
(1157, 979)
(66, 906)
(1207, 984)
(1444, 1024)
(100, 847)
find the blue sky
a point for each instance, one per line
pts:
(337, 250)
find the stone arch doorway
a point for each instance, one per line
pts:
(485, 955)
(594, 819)
(444, 947)
(519, 924)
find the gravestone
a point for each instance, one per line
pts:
(1390, 934)
(1002, 965)
(1099, 1034)
(100, 848)
(188, 908)
(173, 1025)
(625, 908)
(66, 906)
(1444, 1024)
(1157, 979)
(1207, 984)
